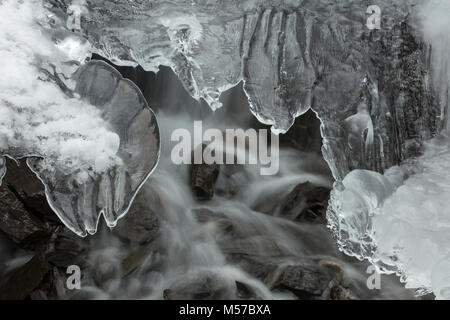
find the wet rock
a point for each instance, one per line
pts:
(334, 268)
(306, 203)
(204, 215)
(18, 223)
(201, 287)
(140, 225)
(24, 280)
(254, 246)
(203, 178)
(219, 220)
(259, 267)
(28, 189)
(341, 293)
(244, 292)
(307, 280)
(66, 249)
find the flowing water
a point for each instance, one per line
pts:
(243, 231)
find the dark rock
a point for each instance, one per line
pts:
(24, 280)
(203, 178)
(254, 246)
(341, 293)
(259, 267)
(306, 203)
(304, 135)
(244, 292)
(334, 268)
(307, 280)
(204, 286)
(140, 225)
(28, 189)
(66, 249)
(18, 223)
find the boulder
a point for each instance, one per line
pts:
(203, 178)
(18, 223)
(306, 203)
(306, 279)
(24, 280)
(140, 225)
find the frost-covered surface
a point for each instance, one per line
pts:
(37, 117)
(400, 221)
(93, 137)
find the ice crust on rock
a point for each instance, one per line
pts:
(400, 221)
(90, 136)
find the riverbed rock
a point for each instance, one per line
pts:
(28, 189)
(203, 178)
(204, 286)
(306, 203)
(22, 281)
(18, 223)
(307, 280)
(140, 225)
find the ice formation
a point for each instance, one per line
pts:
(400, 221)
(91, 135)
(370, 88)
(290, 55)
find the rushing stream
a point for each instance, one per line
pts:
(240, 243)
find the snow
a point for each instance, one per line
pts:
(36, 117)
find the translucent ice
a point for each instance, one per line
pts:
(90, 137)
(290, 55)
(400, 221)
(401, 226)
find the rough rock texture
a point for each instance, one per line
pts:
(24, 280)
(141, 225)
(203, 178)
(20, 225)
(306, 203)
(369, 87)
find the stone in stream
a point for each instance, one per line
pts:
(22, 281)
(218, 219)
(18, 223)
(306, 203)
(203, 286)
(306, 279)
(67, 249)
(253, 246)
(140, 225)
(28, 189)
(203, 178)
